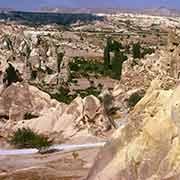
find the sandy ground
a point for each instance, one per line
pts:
(56, 166)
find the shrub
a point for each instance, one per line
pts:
(26, 138)
(147, 51)
(136, 51)
(63, 95)
(134, 99)
(29, 115)
(89, 91)
(11, 75)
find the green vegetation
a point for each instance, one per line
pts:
(134, 99)
(107, 51)
(29, 115)
(136, 51)
(106, 57)
(63, 94)
(146, 51)
(11, 76)
(113, 67)
(111, 46)
(35, 18)
(34, 74)
(59, 60)
(82, 67)
(89, 91)
(140, 52)
(26, 138)
(117, 63)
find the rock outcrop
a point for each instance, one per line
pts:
(23, 105)
(148, 146)
(70, 120)
(21, 98)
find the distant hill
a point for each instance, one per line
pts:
(5, 9)
(43, 18)
(161, 11)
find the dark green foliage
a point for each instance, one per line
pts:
(74, 81)
(29, 115)
(113, 67)
(26, 138)
(127, 49)
(63, 95)
(83, 67)
(147, 51)
(34, 74)
(59, 60)
(11, 76)
(116, 46)
(136, 50)
(134, 99)
(117, 63)
(89, 91)
(49, 70)
(106, 57)
(36, 18)
(107, 51)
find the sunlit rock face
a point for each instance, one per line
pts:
(23, 105)
(148, 147)
(68, 120)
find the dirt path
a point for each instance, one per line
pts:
(64, 148)
(56, 166)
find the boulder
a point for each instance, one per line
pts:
(21, 98)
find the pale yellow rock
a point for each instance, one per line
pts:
(148, 147)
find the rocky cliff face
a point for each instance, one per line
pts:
(147, 147)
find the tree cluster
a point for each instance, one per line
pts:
(114, 64)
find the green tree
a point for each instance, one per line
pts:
(106, 58)
(11, 75)
(117, 63)
(59, 60)
(107, 51)
(136, 51)
(116, 46)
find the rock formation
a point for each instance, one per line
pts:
(23, 105)
(147, 147)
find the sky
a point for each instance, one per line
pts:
(36, 4)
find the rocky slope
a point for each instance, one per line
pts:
(148, 146)
(26, 106)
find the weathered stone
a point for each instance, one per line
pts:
(148, 146)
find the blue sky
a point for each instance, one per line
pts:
(36, 4)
